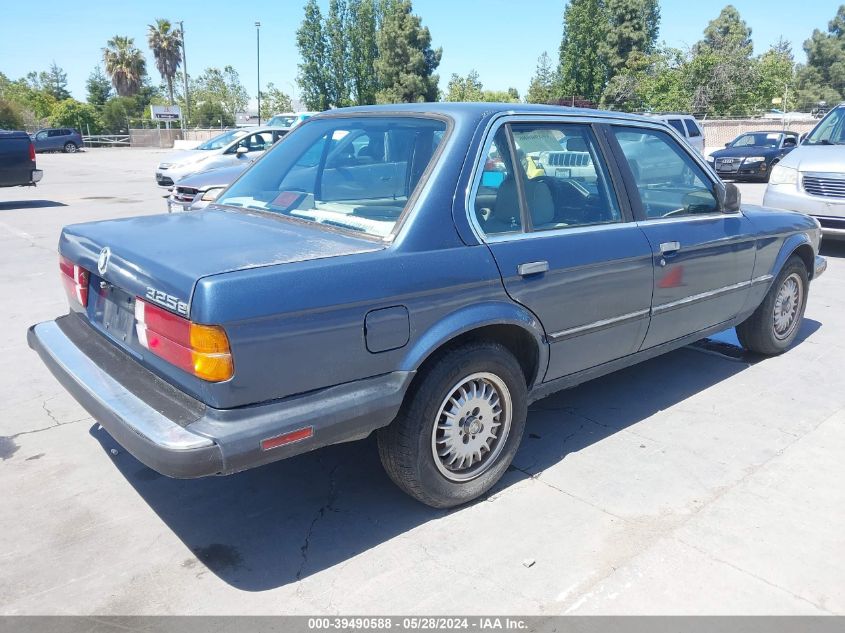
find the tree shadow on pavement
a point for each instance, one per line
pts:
(277, 524)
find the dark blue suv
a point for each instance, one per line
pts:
(424, 271)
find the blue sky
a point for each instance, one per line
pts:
(501, 39)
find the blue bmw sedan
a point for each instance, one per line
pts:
(421, 271)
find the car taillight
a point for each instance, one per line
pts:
(75, 279)
(202, 350)
(31, 151)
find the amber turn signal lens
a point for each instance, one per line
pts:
(209, 339)
(213, 367)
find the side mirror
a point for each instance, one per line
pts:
(728, 144)
(730, 198)
(241, 151)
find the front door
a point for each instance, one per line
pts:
(563, 243)
(703, 257)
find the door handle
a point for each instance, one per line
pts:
(532, 268)
(669, 248)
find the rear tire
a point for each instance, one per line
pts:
(460, 426)
(773, 326)
(70, 148)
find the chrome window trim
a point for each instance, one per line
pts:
(574, 230)
(475, 178)
(710, 294)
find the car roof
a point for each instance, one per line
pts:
(460, 110)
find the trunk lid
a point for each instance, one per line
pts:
(170, 253)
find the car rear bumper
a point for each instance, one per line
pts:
(181, 437)
(37, 175)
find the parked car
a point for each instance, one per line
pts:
(811, 179)
(365, 276)
(17, 160)
(687, 126)
(59, 139)
(199, 190)
(238, 146)
(751, 156)
(289, 119)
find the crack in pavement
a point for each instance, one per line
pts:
(321, 512)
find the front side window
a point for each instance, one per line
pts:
(354, 173)
(670, 183)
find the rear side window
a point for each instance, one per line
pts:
(676, 123)
(552, 177)
(564, 179)
(692, 128)
(669, 182)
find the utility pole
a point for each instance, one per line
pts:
(185, 76)
(258, 65)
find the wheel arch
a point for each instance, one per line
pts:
(796, 245)
(510, 325)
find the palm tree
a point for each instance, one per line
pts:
(166, 44)
(125, 64)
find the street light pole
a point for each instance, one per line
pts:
(185, 76)
(258, 65)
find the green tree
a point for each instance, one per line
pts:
(116, 113)
(406, 61)
(542, 86)
(338, 53)
(10, 116)
(467, 88)
(313, 52)
(775, 78)
(583, 68)
(54, 82)
(166, 45)
(221, 88)
(274, 101)
(125, 65)
(363, 50)
(73, 113)
(211, 114)
(633, 26)
(727, 33)
(722, 69)
(98, 87)
(823, 77)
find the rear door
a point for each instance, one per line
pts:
(703, 257)
(566, 246)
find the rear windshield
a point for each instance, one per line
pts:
(354, 173)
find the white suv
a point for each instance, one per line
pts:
(687, 127)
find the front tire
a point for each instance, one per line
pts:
(460, 426)
(773, 326)
(70, 148)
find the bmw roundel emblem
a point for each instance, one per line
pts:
(103, 260)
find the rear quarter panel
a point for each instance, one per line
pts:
(299, 327)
